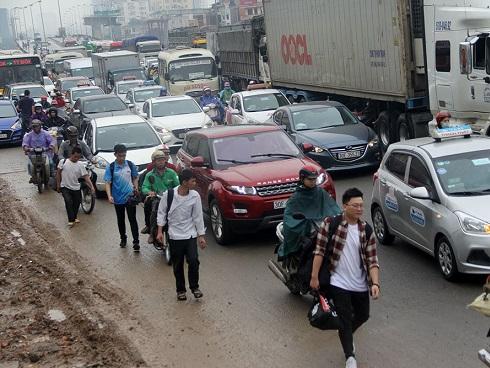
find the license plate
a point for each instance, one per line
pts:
(3, 136)
(349, 154)
(280, 204)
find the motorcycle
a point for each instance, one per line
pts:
(40, 172)
(294, 270)
(88, 198)
(212, 110)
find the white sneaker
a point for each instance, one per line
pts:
(351, 363)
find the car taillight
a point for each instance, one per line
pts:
(375, 177)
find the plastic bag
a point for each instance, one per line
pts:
(481, 304)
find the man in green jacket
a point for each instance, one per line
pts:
(157, 181)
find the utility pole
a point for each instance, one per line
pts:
(25, 23)
(62, 34)
(42, 20)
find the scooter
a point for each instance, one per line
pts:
(212, 110)
(293, 270)
(40, 172)
(88, 198)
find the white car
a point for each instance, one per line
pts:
(254, 107)
(136, 97)
(174, 116)
(73, 94)
(133, 131)
(122, 87)
(48, 85)
(14, 91)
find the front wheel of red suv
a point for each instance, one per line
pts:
(220, 226)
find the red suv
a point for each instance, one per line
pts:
(245, 175)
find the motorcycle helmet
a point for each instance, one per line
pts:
(157, 155)
(52, 109)
(206, 89)
(309, 172)
(38, 106)
(72, 132)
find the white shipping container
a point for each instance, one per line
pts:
(359, 48)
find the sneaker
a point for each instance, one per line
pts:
(197, 293)
(145, 230)
(123, 243)
(136, 246)
(77, 221)
(181, 296)
(351, 362)
(70, 224)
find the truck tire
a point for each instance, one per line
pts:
(404, 128)
(382, 125)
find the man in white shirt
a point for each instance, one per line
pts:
(185, 230)
(69, 171)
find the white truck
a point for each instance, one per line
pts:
(81, 67)
(115, 66)
(395, 63)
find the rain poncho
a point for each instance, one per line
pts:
(315, 204)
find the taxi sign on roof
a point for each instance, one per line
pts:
(451, 131)
(83, 84)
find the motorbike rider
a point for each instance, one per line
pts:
(225, 94)
(25, 107)
(38, 138)
(60, 101)
(67, 146)
(313, 202)
(39, 113)
(207, 99)
(157, 181)
(53, 119)
(44, 103)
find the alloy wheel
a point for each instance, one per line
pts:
(217, 221)
(445, 258)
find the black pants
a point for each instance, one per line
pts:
(188, 249)
(148, 205)
(72, 198)
(353, 310)
(121, 221)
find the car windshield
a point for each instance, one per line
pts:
(133, 136)
(75, 95)
(123, 88)
(467, 173)
(253, 148)
(191, 69)
(7, 111)
(264, 102)
(104, 105)
(135, 73)
(145, 94)
(83, 72)
(176, 107)
(324, 117)
(36, 92)
(67, 84)
(47, 81)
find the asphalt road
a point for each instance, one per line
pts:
(247, 318)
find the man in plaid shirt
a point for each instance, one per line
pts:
(353, 265)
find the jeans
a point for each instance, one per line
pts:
(121, 221)
(353, 310)
(72, 199)
(180, 249)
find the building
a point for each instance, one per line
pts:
(237, 11)
(133, 17)
(6, 40)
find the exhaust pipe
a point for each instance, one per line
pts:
(278, 271)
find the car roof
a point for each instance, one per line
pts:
(98, 97)
(130, 81)
(119, 120)
(142, 88)
(255, 92)
(448, 146)
(311, 105)
(170, 98)
(230, 131)
(71, 78)
(16, 85)
(84, 87)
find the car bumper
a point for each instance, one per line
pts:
(472, 252)
(370, 159)
(13, 136)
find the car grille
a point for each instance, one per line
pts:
(348, 153)
(180, 133)
(276, 189)
(8, 132)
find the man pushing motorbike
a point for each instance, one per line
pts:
(66, 146)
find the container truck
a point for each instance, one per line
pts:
(115, 66)
(395, 63)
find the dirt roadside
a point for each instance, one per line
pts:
(53, 311)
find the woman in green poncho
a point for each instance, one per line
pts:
(313, 202)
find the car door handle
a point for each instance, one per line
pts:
(382, 181)
(406, 195)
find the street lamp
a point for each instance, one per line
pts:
(32, 20)
(25, 23)
(42, 20)
(61, 23)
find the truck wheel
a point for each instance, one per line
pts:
(404, 129)
(382, 125)
(220, 226)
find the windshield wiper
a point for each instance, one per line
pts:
(274, 155)
(471, 192)
(236, 161)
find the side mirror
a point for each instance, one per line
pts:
(307, 147)
(465, 58)
(235, 112)
(206, 109)
(420, 193)
(198, 162)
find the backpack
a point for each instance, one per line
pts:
(131, 166)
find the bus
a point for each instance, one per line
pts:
(23, 68)
(185, 71)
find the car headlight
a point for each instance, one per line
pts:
(16, 125)
(373, 143)
(322, 178)
(472, 225)
(239, 189)
(100, 162)
(317, 149)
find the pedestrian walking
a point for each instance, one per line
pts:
(353, 265)
(67, 179)
(185, 223)
(121, 178)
